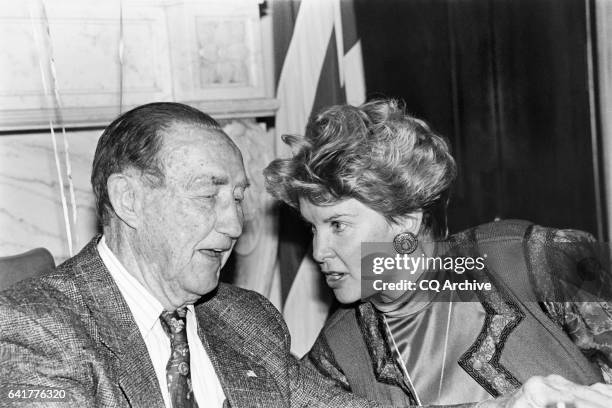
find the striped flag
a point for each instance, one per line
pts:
(322, 65)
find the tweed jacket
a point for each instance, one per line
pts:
(528, 330)
(72, 330)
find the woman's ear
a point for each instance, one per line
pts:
(410, 222)
(125, 194)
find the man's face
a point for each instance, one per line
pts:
(190, 224)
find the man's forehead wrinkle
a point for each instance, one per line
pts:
(175, 151)
(180, 133)
(196, 162)
(189, 132)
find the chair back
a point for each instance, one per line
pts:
(28, 264)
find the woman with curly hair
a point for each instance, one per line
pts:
(376, 174)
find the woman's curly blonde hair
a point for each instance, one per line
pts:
(375, 153)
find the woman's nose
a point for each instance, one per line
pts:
(321, 250)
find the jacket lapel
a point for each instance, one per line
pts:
(503, 315)
(482, 360)
(386, 368)
(117, 330)
(243, 375)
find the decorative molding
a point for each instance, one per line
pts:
(238, 108)
(24, 119)
(216, 50)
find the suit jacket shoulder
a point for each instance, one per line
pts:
(72, 330)
(45, 336)
(47, 309)
(246, 311)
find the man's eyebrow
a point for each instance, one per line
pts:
(214, 180)
(205, 180)
(219, 180)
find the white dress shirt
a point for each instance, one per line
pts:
(146, 310)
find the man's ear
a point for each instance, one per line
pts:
(410, 223)
(125, 194)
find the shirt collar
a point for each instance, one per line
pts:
(145, 308)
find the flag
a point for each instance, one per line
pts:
(321, 66)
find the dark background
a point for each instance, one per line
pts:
(507, 82)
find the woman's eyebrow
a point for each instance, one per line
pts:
(338, 215)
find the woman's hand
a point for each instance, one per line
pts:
(551, 392)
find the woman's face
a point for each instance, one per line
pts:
(338, 231)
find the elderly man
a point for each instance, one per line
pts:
(138, 317)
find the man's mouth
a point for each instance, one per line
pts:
(216, 253)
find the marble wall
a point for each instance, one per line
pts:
(31, 212)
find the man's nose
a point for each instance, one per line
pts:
(321, 249)
(230, 220)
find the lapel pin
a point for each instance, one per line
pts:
(251, 373)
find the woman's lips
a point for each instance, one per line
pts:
(334, 279)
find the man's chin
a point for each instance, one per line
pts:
(201, 292)
(207, 288)
(203, 283)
